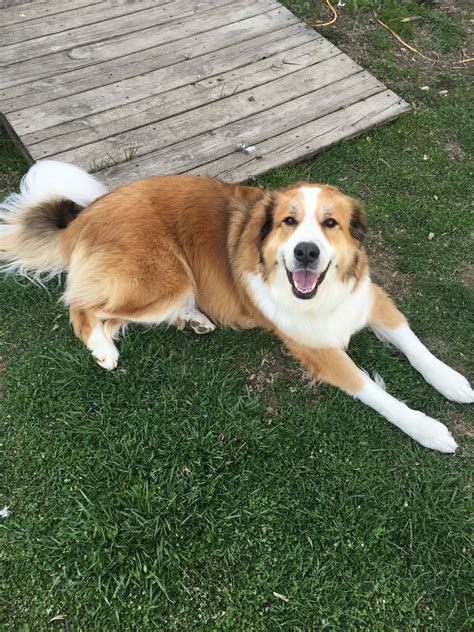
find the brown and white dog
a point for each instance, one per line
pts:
(199, 251)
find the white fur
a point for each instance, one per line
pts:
(45, 181)
(327, 320)
(102, 348)
(54, 179)
(335, 313)
(198, 321)
(447, 381)
(427, 431)
(188, 312)
(378, 379)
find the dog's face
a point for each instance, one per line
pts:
(308, 231)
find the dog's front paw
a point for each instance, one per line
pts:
(431, 433)
(458, 389)
(451, 384)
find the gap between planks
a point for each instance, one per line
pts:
(112, 129)
(112, 28)
(192, 153)
(181, 125)
(93, 52)
(145, 61)
(263, 98)
(308, 139)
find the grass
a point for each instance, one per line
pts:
(129, 154)
(183, 491)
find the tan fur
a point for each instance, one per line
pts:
(333, 366)
(82, 322)
(383, 311)
(32, 240)
(142, 251)
(139, 250)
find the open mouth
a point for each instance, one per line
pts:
(305, 283)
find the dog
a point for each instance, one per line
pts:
(191, 250)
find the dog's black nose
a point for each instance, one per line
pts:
(306, 252)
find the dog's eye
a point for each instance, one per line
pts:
(289, 221)
(329, 222)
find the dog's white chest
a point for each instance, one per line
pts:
(328, 320)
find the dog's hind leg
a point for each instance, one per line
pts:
(113, 327)
(389, 324)
(190, 313)
(92, 331)
(201, 324)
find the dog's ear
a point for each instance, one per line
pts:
(267, 224)
(358, 223)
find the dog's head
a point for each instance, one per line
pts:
(306, 231)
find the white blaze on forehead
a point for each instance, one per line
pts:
(309, 228)
(310, 196)
(310, 200)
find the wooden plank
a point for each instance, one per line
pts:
(241, 72)
(91, 33)
(199, 150)
(184, 85)
(206, 118)
(307, 140)
(71, 19)
(11, 13)
(14, 3)
(120, 47)
(192, 49)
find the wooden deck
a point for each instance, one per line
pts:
(229, 88)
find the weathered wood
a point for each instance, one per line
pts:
(134, 22)
(215, 115)
(120, 47)
(145, 61)
(71, 19)
(178, 86)
(194, 152)
(113, 125)
(186, 72)
(14, 12)
(307, 140)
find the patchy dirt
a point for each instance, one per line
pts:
(384, 269)
(355, 34)
(271, 368)
(439, 346)
(459, 426)
(455, 151)
(467, 277)
(442, 349)
(9, 181)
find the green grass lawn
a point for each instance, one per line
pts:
(205, 480)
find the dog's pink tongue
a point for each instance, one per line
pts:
(305, 280)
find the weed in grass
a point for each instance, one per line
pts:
(129, 153)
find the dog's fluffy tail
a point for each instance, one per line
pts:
(51, 194)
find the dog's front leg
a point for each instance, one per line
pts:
(389, 324)
(335, 367)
